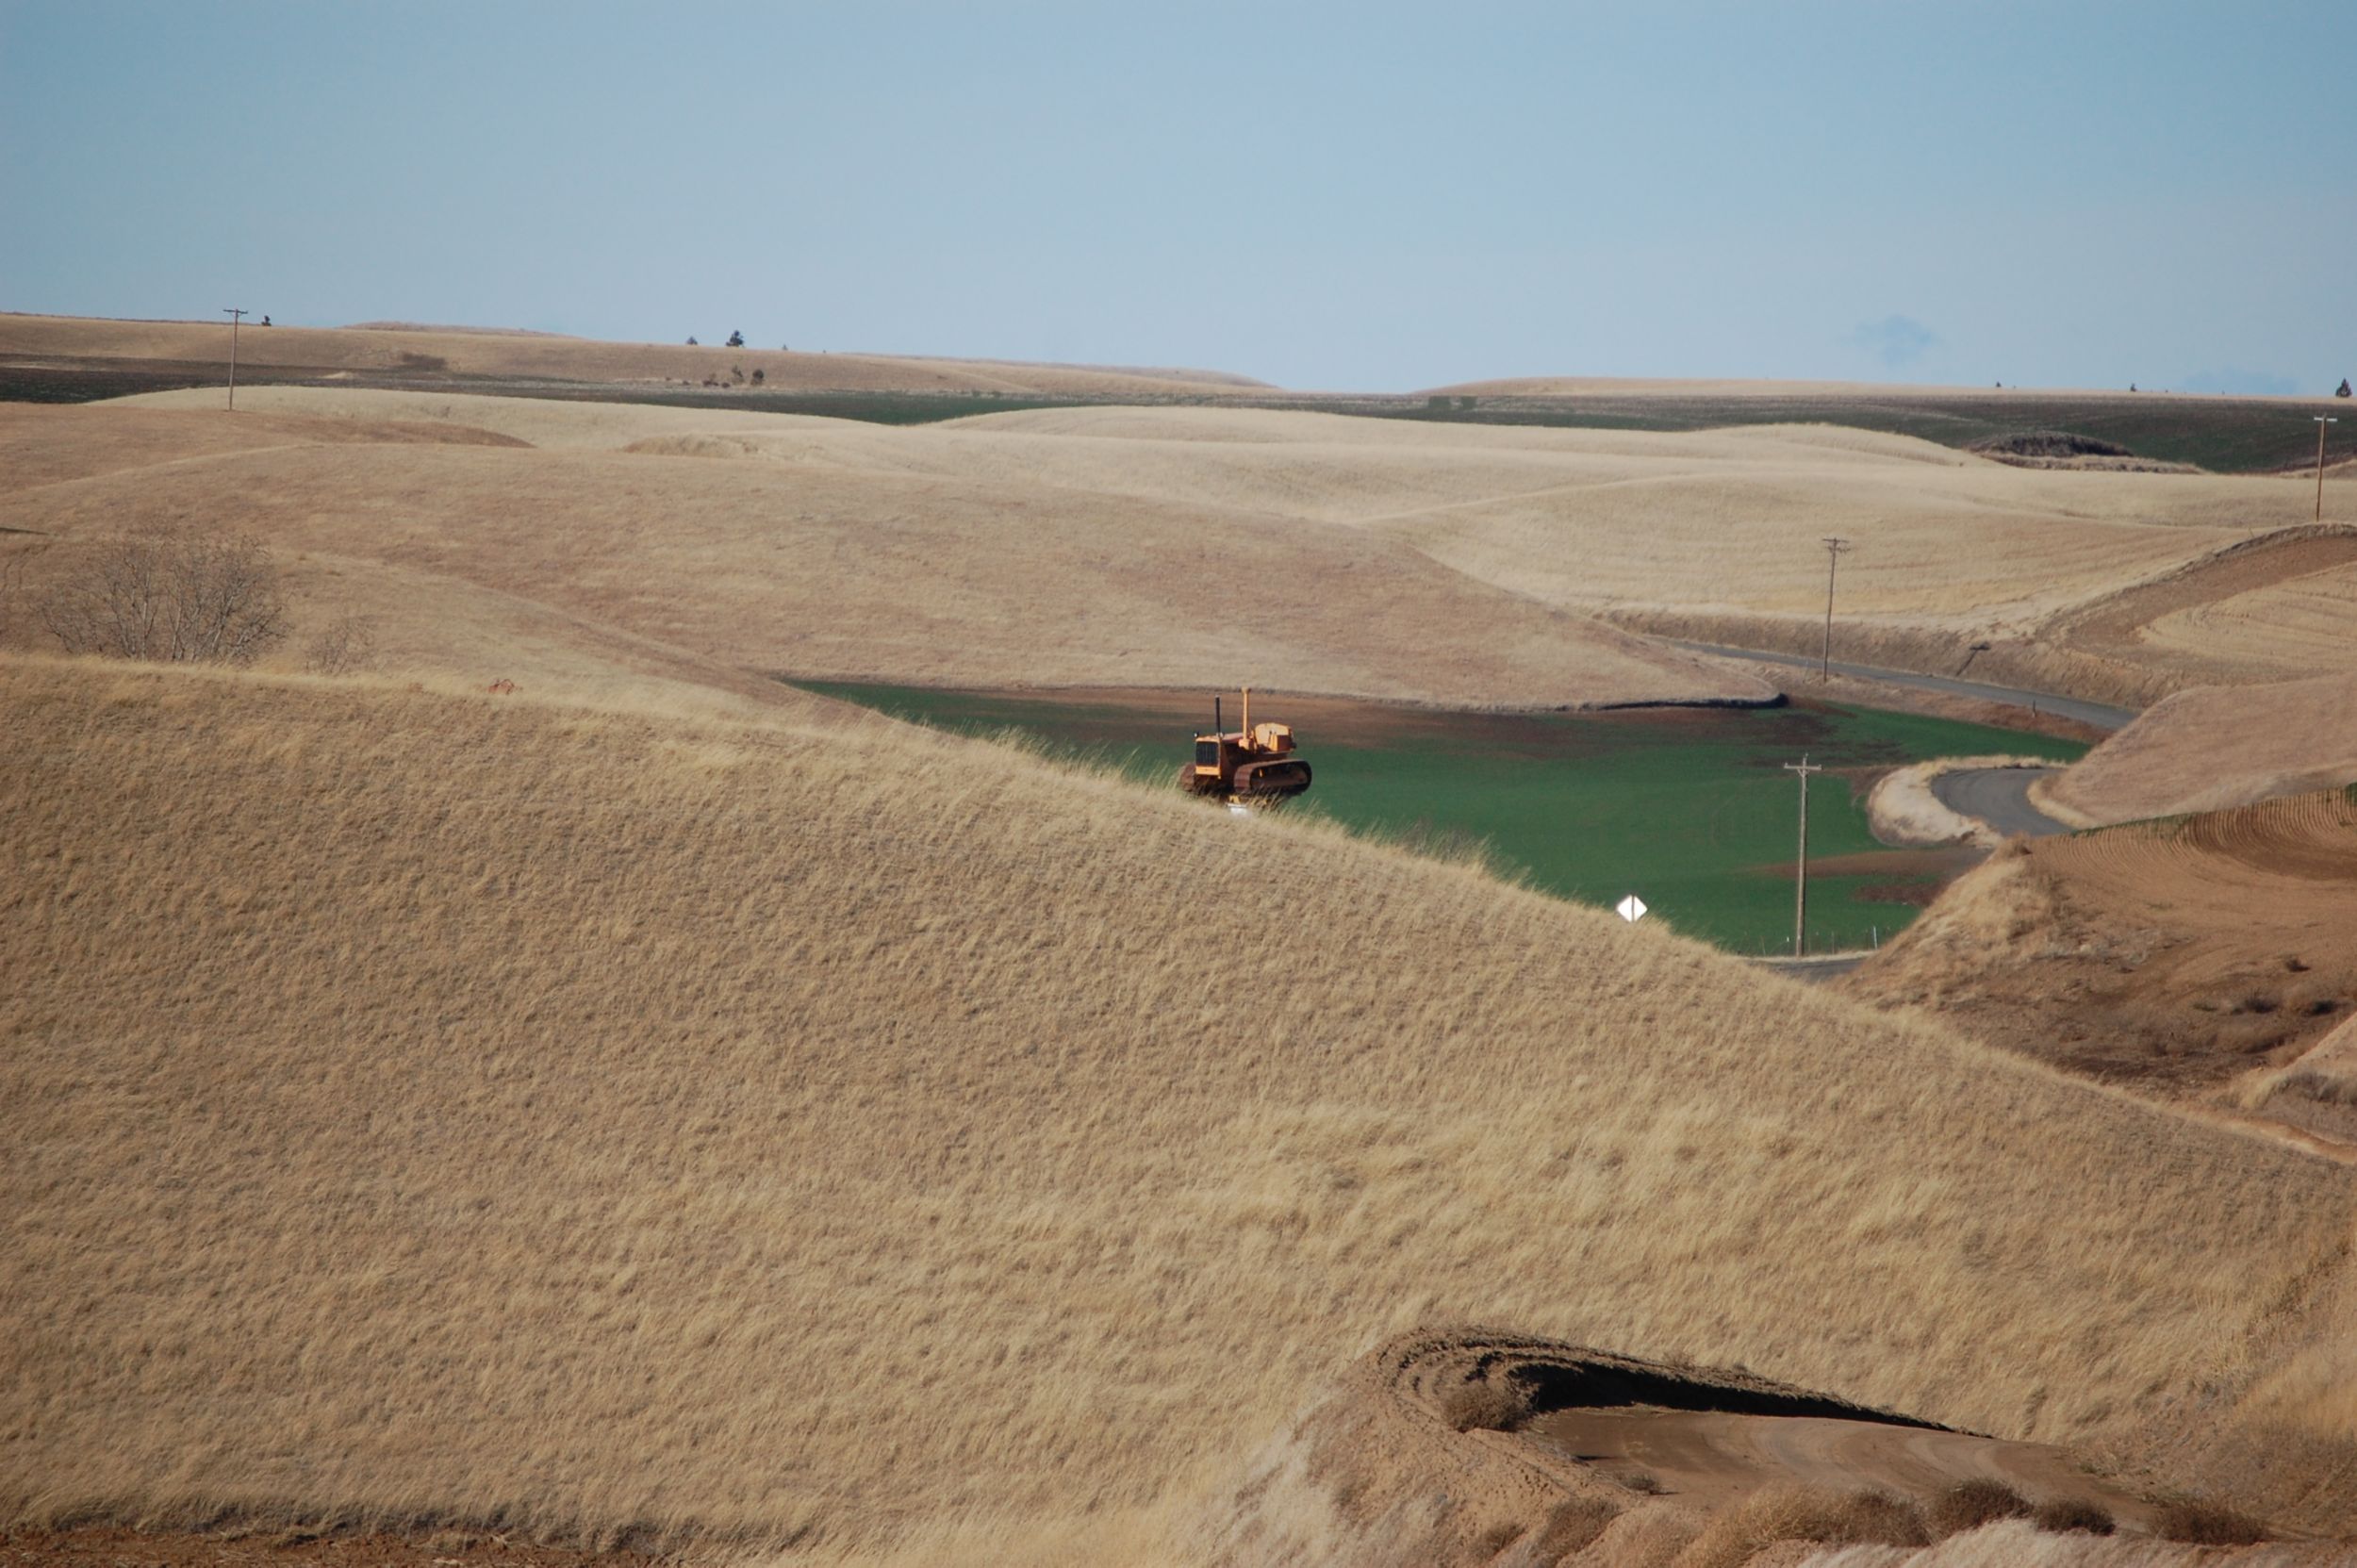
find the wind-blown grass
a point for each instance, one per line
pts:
(428, 1107)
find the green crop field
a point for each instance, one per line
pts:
(1690, 809)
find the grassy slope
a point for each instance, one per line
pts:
(1201, 546)
(2209, 749)
(437, 1106)
(1690, 527)
(870, 552)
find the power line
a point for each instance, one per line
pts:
(1800, 879)
(1835, 550)
(2321, 422)
(236, 314)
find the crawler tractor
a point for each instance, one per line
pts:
(1253, 764)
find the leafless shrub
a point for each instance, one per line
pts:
(2062, 1515)
(1968, 1505)
(171, 596)
(2202, 1523)
(344, 646)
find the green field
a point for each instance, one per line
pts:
(1690, 809)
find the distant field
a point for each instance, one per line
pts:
(62, 359)
(95, 379)
(2223, 435)
(1688, 808)
(2226, 434)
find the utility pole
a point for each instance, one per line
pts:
(2321, 422)
(1799, 881)
(236, 314)
(1835, 550)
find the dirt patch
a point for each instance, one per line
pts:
(1360, 721)
(2061, 448)
(1597, 1445)
(2047, 443)
(1922, 895)
(2184, 954)
(1716, 1460)
(1945, 863)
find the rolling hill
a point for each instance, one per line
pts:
(773, 1129)
(395, 349)
(842, 551)
(2055, 580)
(2212, 748)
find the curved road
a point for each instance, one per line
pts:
(2100, 714)
(1999, 796)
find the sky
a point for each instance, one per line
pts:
(1363, 196)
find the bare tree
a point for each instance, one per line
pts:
(345, 646)
(171, 596)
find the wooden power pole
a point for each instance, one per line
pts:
(1800, 870)
(2321, 422)
(236, 314)
(1833, 550)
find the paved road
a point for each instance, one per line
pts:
(1999, 796)
(2100, 714)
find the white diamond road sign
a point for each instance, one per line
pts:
(1632, 909)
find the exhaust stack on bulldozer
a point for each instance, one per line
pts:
(1254, 764)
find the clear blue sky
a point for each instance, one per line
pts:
(1361, 196)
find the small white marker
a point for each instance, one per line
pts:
(1631, 909)
(1237, 808)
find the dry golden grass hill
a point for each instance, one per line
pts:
(2110, 585)
(2117, 585)
(842, 550)
(2211, 748)
(2315, 1091)
(384, 347)
(427, 1106)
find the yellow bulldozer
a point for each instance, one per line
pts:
(1253, 764)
